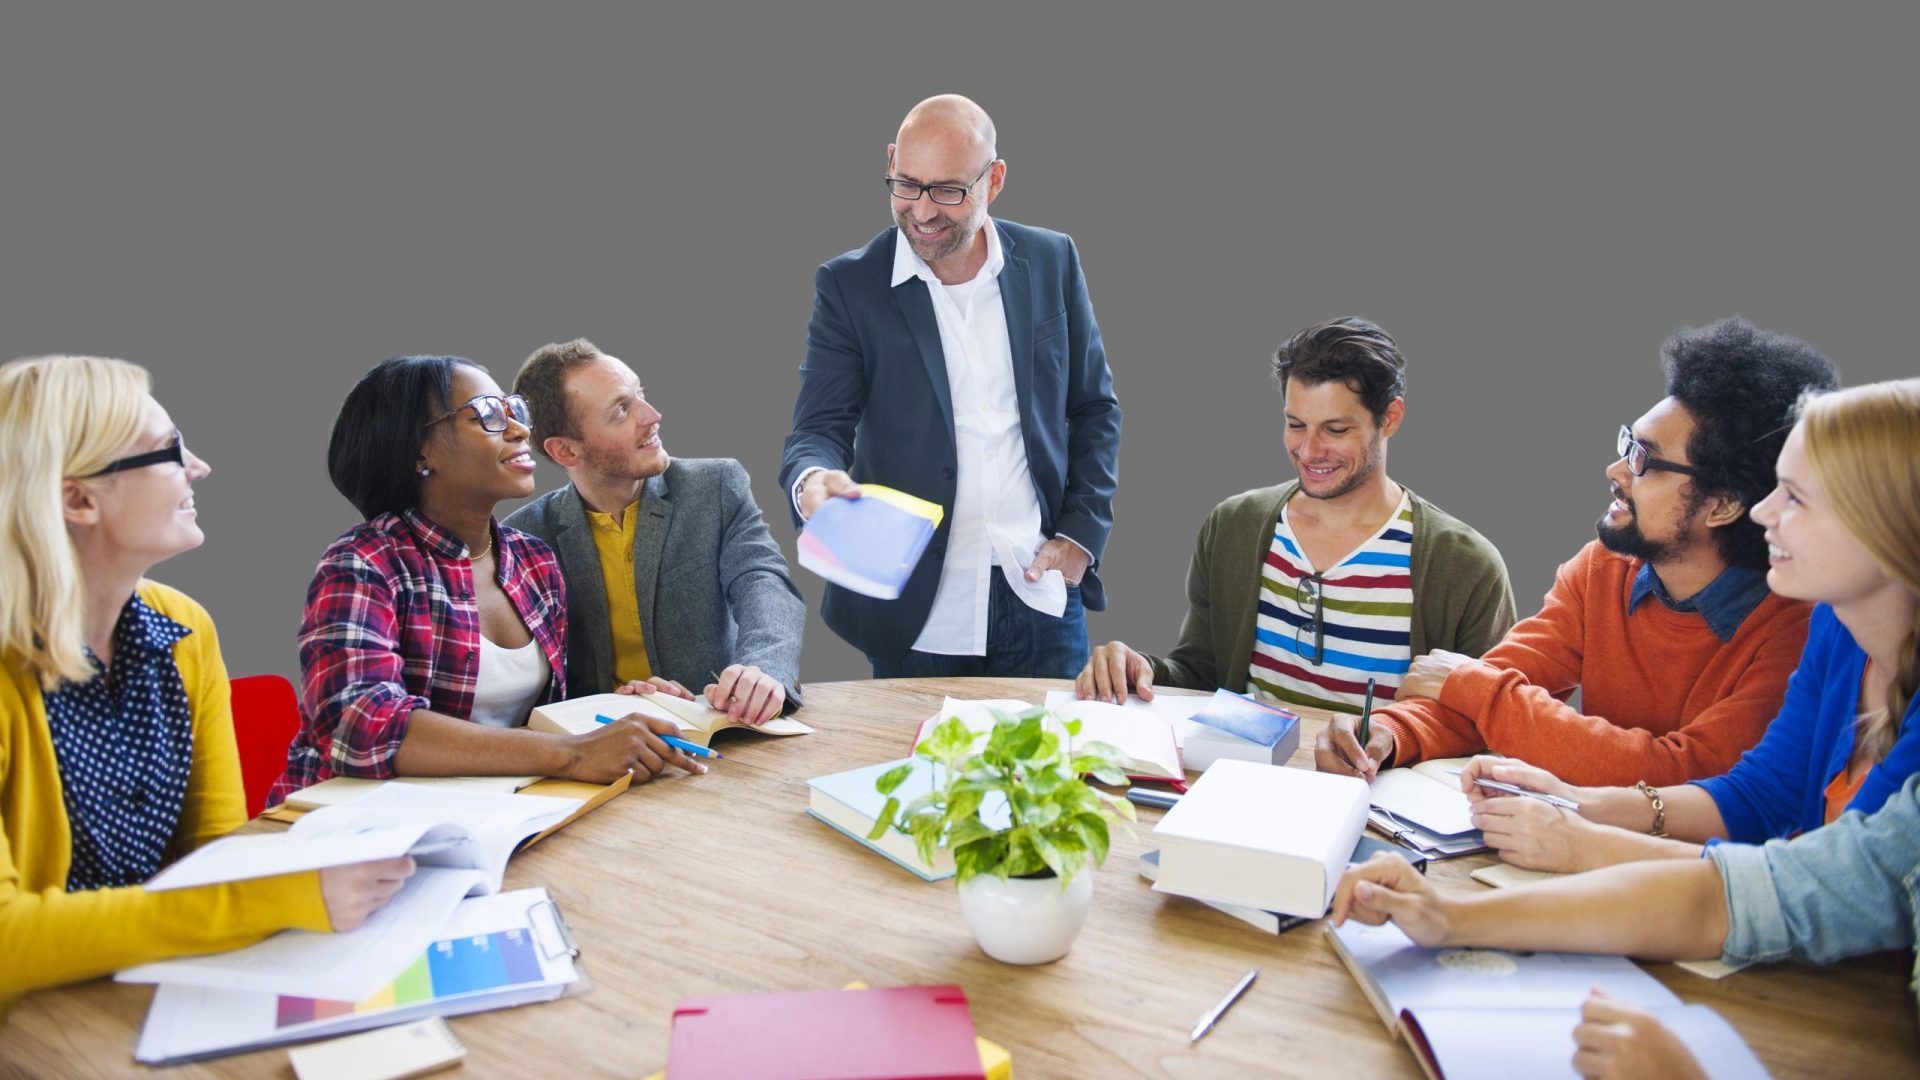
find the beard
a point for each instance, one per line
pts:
(624, 464)
(1360, 475)
(1628, 540)
(952, 244)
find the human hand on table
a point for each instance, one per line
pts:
(1112, 671)
(747, 695)
(1337, 748)
(629, 746)
(1388, 887)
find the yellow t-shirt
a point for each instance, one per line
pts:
(613, 541)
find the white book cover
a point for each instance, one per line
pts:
(1262, 836)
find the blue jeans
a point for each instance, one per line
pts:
(1021, 643)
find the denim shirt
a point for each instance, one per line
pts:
(1852, 887)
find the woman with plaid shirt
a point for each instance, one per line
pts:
(431, 630)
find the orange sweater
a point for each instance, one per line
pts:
(1666, 700)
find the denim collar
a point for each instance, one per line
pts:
(1725, 603)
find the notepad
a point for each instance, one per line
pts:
(698, 724)
(395, 1053)
(871, 544)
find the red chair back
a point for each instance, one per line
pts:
(266, 714)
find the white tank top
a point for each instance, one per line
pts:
(509, 684)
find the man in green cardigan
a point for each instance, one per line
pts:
(1303, 600)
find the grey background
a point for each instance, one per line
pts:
(260, 205)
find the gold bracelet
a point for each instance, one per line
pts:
(1659, 808)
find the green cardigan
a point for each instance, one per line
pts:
(1461, 599)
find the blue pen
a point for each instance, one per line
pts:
(692, 748)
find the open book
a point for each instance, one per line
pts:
(460, 842)
(449, 828)
(698, 724)
(1473, 1013)
(1143, 738)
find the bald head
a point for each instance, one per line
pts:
(950, 118)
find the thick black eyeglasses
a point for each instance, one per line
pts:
(944, 194)
(493, 411)
(1307, 597)
(1639, 460)
(175, 452)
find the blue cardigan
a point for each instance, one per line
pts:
(1778, 788)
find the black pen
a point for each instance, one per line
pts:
(1366, 718)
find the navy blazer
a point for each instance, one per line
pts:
(874, 401)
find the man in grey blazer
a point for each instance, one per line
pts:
(672, 577)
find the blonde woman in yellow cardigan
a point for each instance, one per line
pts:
(117, 752)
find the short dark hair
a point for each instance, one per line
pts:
(382, 426)
(543, 382)
(1348, 350)
(1740, 384)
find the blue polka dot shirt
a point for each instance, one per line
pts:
(124, 741)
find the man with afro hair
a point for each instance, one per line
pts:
(1664, 624)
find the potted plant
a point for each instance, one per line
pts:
(1023, 828)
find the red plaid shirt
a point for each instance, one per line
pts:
(391, 626)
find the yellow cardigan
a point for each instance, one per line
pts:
(49, 936)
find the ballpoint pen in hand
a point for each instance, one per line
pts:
(1213, 1015)
(1366, 718)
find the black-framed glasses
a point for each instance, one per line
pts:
(944, 194)
(1307, 596)
(1639, 460)
(175, 452)
(493, 411)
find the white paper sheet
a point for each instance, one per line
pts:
(341, 967)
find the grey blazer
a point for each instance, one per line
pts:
(711, 583)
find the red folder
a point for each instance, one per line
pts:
(892, 1033)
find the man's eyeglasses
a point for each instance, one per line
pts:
(1639, 460)
(175, 452)
(493, 411)
(1306, 596)
(944, 194)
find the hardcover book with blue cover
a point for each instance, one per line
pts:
(871, 544)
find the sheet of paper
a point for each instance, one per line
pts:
(1173, 706)
(257, 855)
(1425, 802)
(1048, 595)
(344, 967)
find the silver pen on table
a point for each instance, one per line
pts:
(1213, 1015)
(1515, 789)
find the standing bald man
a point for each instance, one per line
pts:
(956, 358)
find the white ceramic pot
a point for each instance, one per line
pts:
(1026, 920)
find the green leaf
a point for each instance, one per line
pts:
(885, 820)
(982, 856)
(893, 778)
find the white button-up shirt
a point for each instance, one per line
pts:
(996, 511)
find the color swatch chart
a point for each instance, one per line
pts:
(449, 968)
